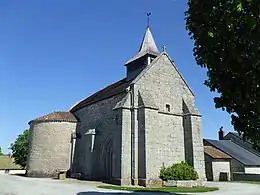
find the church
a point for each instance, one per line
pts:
(126, 132)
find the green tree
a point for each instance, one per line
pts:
(226, 36)
(20, 149)
(1, 153)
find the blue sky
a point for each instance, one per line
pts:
(55, 53)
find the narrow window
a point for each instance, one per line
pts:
(168, 108)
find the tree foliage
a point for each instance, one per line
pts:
(1, 153)
(227, 43)
(20, 149)
(178, 171)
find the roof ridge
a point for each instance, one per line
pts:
(106, 92)
(56, 116)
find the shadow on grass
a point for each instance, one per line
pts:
(122, 193)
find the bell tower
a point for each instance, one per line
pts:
(147, 52)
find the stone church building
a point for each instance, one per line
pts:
(127, 131)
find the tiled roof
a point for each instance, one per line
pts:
(109, 91)
(235, 151)
(215, 153)
(56, 116)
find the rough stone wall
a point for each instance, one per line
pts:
(220, 165)
(98, 156)
(163, 85)
(49, 148)
(164, 142)
(125, 153)
(236, 166)
(245, 177)
(208, 167)
(197, 146)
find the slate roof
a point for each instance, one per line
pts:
(56, 117)
(235, 151)
(215, 153)
(109, 91)
(148, 46)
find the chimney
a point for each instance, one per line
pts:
(221, 134)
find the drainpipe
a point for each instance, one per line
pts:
(132, 134)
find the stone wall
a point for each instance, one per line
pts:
(97, 155)
(49, 148)
(245, 177)
(163, 91)
(236, 166)
(208, 167)
(187, 183)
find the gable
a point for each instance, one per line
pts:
(235, 151)
(164, 59)
(165, 85)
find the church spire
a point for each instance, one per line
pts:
(148, 45)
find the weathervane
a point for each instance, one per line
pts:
(148, 19)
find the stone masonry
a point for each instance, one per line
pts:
(129, 130)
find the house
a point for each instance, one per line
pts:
(244, 159)
(127, 131)
(217, 163)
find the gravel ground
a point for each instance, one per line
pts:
(16, 185)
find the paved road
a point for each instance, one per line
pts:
(15, 185)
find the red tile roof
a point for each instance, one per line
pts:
(215, 153)
(56, 117)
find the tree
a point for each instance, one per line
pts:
(1, 153)
(226, 36)
(20, 149)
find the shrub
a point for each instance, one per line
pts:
(179, 171)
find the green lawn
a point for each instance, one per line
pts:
(160, 189)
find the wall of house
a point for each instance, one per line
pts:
(236, 166)
(245, 177)
(252, 170)
(220, 165)
(98, 156)
(159, 86)
(49, 148)
(208, 167)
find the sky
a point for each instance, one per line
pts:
(55, 53)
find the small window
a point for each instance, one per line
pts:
(168, 108)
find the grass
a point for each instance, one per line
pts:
(161, 189)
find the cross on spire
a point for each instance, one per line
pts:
(164, 48)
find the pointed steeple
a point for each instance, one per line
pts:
(148, 43)
(148, 46)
